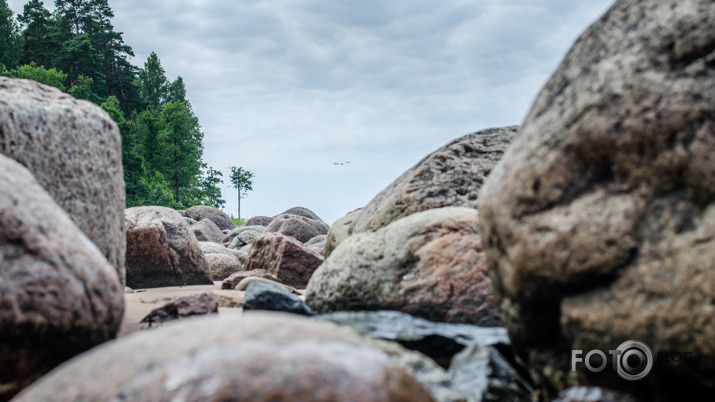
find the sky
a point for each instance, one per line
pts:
(288, 88)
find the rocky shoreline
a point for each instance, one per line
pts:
(502, 266)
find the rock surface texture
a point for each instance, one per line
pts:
(199, 212)
(298, 227)
(222, 266)
(73, 148)
(259, 221)
(206, 230)
(285, 257)
(428, 264)
(452, 176)
(253, 357)
(162, 250)
(599, 222)
(58, 294)
(301, 211)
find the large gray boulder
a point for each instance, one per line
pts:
(73, 148)
(252, 357)
(199, 212)
(428, 264)
(162, 250)
(451, 176)
(58, 294)
(298, 227)
(230, 236)
(300, 211)
(206, 230)
(599, 222)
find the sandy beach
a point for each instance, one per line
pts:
(141, 302)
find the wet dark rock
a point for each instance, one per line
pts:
(264, 296)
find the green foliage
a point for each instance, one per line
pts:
(210, 181)
(238, 221)
(82, 89)
(51, 77)
(77, 50)
(242, 180)
(153, 85)
(10, 37)
(38, 45)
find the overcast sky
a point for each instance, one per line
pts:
(286, 88)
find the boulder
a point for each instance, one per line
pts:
(318, 247)
(266, 296)
(230, 236)
(451, 176)
(315, 240)
(222, 266)
(285, 257)
(199, 212)
(252, 357)
(58, 294)
(208, 247)
(428, 264)
(73, 148)
(599, 222)
(184, 307)
(244, 238)
(162, 250)
(298, 227)
(206, 230)
(339, 231)
(235, 278)
(300, 211)
(259, 221)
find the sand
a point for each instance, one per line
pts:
(142, 301)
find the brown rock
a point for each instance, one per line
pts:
(428, 264)
(236, 277)
(285, 257)
(259, 221)
(184, 307)
(206, 230)
(599, 223)
(199, 212)
(162, 250)
(58, 294)
(221, 265)
(298, 227)
(253, 357)
(73, 148)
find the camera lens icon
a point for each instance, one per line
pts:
(635, 360)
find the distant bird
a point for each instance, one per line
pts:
(340, 163)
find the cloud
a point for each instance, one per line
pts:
(286, 87)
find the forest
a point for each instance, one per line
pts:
(77, 50)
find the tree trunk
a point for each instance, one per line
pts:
(239, 203)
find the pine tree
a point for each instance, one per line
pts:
(10, 38)
(153, 83)
(38, 46)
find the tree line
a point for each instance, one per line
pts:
(76, 49)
